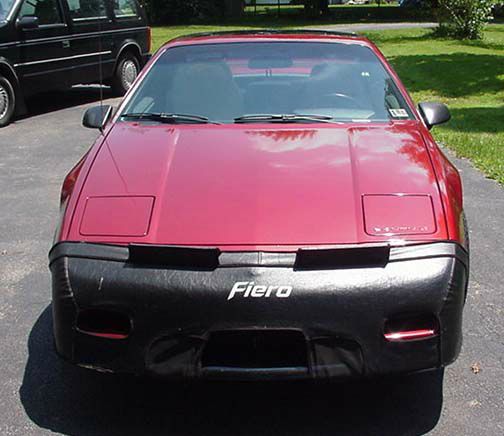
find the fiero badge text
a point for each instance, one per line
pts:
(248, 289)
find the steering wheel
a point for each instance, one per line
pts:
(337, 96)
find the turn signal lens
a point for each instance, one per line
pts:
(410, 335)
(411, 327)
(70, 179)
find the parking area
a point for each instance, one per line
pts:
(39, 394)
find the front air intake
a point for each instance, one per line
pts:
(256, 349)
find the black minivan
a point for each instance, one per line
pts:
(54, 44)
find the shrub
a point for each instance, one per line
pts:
(464, 19)
(172, 11)
(498, 10)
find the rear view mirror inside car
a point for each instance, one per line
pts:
(269, 62)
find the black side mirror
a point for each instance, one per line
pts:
(27, 22)
(434, 113)
(96, 117)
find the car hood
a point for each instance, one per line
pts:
(260, 185)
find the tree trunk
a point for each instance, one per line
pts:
(315, 8)
(234, 8)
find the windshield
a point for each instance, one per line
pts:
(281, 81)
(5, 6)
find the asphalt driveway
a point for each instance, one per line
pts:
(40, 394)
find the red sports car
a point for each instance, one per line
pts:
(262, 205)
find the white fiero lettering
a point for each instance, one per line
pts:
(249, 289)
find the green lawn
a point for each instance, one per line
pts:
(468, 76)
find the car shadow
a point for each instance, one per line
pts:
(52, 101)
(74, 401)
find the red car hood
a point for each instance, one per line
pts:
(251, 185)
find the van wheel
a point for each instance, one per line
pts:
(126, 72)
(7, 101)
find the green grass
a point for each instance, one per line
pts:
(468, 76)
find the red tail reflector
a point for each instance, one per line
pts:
(409, 335)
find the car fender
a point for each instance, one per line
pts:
(451, 190)
(80, 172)
(8, 70)
(128, 44)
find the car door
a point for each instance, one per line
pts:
(45, 60)
(91, 42)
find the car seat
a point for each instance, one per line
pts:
(206, 89)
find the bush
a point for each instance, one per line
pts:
(173, 11)
(498, 10)
(464, 19)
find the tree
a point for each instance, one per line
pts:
(315, 8)
(234, 8)
(465, 19)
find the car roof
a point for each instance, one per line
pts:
(265, 35)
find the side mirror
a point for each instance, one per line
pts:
(27, 22)
(434, 113)
(96, 117)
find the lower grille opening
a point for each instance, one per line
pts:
(104, 323)
(253, 349)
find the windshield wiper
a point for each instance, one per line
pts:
(284, 118)
(168, 117)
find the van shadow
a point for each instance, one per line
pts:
(52, 101)
(73, 401)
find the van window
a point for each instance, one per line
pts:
(47, 11)
(5, 6)
(125, 8)
(86, 9)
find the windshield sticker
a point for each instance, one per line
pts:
(398, 113)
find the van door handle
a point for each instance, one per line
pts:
(66, 43)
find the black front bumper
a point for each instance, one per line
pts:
(340, 309)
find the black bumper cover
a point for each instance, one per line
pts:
(339, 307)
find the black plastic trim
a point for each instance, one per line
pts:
(342, 258)
(346, 256)
(176, 257)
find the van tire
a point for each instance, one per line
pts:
(125, 74)
(7, 101)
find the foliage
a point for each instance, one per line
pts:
(316, 8)
(464, 19)
(498, 10)
(172, 11)
(176, 11)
